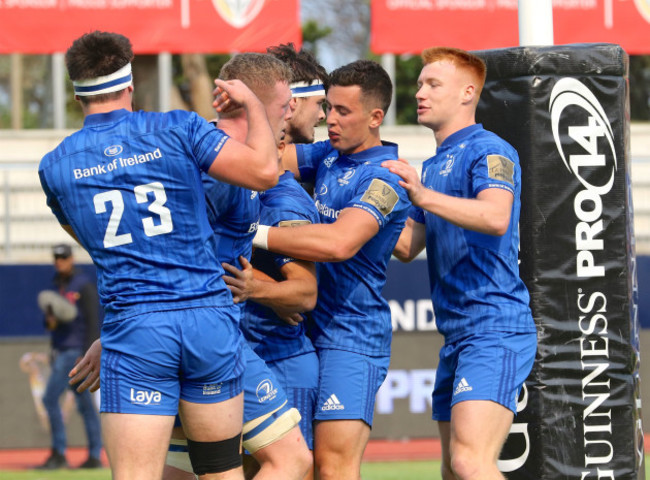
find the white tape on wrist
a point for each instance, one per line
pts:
(261, 239)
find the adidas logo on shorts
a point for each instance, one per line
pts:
(333, 403)
(462, 386)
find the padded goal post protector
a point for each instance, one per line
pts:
(566, 111)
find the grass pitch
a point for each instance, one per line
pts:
(416, 470)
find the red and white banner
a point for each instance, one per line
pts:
(410, 26)
(175, 26)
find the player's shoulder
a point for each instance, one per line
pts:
(288, 189)
(375, 170)
(322, 150)
(488, 142)
(68, 145)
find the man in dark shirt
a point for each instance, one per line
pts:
(71, 337)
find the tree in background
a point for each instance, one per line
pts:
(312, 32)
(407, 70)
(349, 22)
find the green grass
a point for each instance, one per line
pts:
(416, 470)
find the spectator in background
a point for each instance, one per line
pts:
(73, 328)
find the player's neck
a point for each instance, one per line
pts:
(235, 127)
(105, 107)
(441, 134)
(123, 102)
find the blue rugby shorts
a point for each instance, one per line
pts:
(152, 360)
(348, 385)
(486, 366)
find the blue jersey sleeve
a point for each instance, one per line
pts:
(206, 142)
(52, 201)
(380, 194)
(417, 214)
(496, 167)
(311, 156)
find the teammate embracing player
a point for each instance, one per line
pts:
(362, 211)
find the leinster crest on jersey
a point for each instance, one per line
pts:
(238, 13)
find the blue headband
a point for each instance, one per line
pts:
(305, 89)
(113, 82)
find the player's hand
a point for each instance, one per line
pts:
(290, 318)
(87, 369)
(231, 94)
(242, 282)
(293, 319)
(410, 179)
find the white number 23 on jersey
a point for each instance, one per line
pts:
(114, 197)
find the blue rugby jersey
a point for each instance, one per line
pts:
(270, 337)
(351, 314)
(475, 283)
(129, 185)
(234, 213)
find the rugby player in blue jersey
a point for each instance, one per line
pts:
(309, 81)
(127, 186)
(267, 321)
(466, 213)
(270, 432)
(362, 210)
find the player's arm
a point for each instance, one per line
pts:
(296, 294)
(253, 164)
(333, 242)
(488, 213)
(411, 242)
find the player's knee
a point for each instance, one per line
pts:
(215, 457)
(465, 465)
(302, 459)
(333, 466)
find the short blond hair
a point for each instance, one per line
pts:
(258, 71)
(462, 59)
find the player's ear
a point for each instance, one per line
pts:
(469, 93)
(376, 117)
